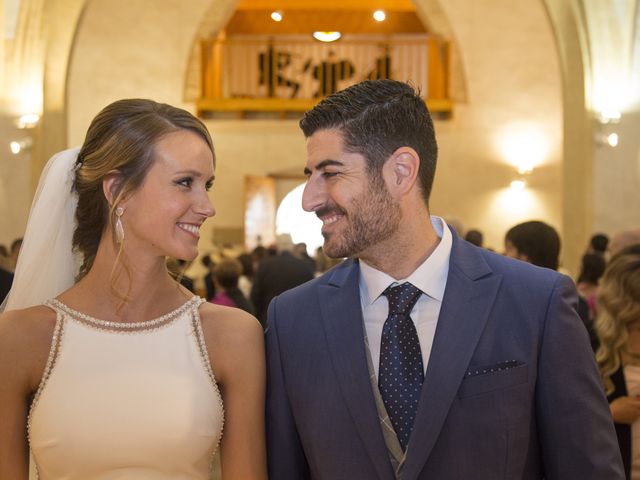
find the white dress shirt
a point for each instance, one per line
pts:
(430, 277)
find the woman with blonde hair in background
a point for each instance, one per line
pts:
(618, 328)
(109, 369)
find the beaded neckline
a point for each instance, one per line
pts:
(58, 305)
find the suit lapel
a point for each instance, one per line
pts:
(470, 292)
(343, 326)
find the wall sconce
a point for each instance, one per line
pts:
(606, 117)
(277, 15)
(524, 147)
(609, 140)
(518, 184)
(28, 120)
(605, 134)
(18, 146)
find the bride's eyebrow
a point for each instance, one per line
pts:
(192, 173)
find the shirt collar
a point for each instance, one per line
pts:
(430, 276)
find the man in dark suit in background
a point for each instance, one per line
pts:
(538, 243)
(277, 274)
(421, 357)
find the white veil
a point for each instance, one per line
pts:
(47, 265)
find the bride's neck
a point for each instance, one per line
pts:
(132, 286)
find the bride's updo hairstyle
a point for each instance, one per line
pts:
(120, 141)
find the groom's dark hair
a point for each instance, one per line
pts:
(375, 118)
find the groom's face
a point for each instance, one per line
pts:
(355, 207)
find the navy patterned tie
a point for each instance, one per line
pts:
(401, 371)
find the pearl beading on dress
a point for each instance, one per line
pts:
(125, 326)
(56, 340)
(204, 353)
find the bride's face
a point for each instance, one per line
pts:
(164, 216)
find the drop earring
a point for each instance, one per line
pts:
(118, 225)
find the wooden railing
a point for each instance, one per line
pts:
(277, 74)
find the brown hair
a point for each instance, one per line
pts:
(375, 118)
(120, 141)
(227, 272)
(618, 308)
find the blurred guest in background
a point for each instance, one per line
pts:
(591, 270)
(623, 239)
(475, 237)
(534, 242)
(538, 243)
(226, 274)
(246, 277)
(277, 274)
(618, 327)
(258, 254)
(209, 284)
(598, 244)
(300, 251)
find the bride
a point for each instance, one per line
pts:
(109, 369)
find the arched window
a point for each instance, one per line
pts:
(302, 226)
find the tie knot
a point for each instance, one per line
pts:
(402, 298)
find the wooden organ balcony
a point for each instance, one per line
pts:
(253, 73)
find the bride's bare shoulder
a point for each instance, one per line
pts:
(235, 342)
(26, 330)
(229, 322)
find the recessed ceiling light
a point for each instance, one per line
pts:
(277, 15)
(379, 15)
(327, 36)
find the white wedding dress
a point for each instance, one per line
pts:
(126, 401)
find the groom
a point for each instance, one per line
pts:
(422, 356)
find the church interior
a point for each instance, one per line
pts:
(536, 102)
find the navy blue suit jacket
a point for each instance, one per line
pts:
(543, 416)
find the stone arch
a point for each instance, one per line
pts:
(436, 21)
(63, 19)
(569, 27)
(115, 54)
(214, 19)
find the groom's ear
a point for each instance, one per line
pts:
(111, 186)
(401, 171)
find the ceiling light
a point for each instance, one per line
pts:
(277, 15)
(327, 36)
(379, 16)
